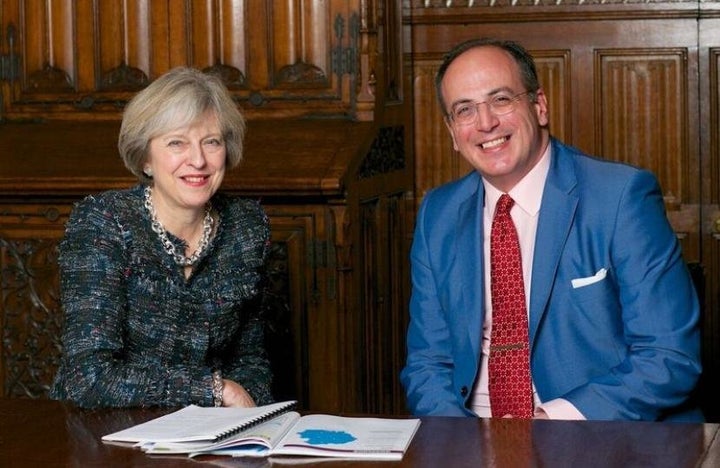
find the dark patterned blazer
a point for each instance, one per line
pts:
(137, 332)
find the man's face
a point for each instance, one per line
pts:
(503, 148)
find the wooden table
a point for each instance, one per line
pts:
(41, 433)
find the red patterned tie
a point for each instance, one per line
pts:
(510, 384)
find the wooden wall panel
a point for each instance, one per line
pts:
(302, 53)
(710, 111)
(138, 35)
(84, 50)
(60, 39)
(30, 313)
(232, 35)
(36, 43)
(84, 59)
(383, 302)
(217, 29)
(112, 39)
(439, 162)
(642, 107)
(49, 46)
(554, 73)
(288, 332)
(709, 123)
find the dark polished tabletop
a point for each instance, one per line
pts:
(42, 433)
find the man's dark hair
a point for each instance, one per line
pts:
(522, 58)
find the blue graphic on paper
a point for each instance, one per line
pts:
(323, 437)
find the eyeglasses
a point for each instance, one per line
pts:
(465, 113)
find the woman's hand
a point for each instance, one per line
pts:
(235, 395)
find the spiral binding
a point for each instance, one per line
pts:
(255, 421)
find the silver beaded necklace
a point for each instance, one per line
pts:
(169, 247)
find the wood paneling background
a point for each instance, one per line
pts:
(82, 59)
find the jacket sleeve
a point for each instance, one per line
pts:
(247, 362)
(428, 374)
(658, 306)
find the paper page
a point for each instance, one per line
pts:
(344, 437)
(193, 423)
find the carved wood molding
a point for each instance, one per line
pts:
(231, 76)
(50, 79)
(455, 4)
(124, 78)
(30, 317)
(301, 73)
(285, 59)
(279, 333)
(436, 12)
(386, 154)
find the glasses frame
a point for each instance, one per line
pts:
(511, 107)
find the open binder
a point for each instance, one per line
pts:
(199, 424)
(270, 431)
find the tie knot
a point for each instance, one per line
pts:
(504, 204)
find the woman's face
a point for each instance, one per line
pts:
(187, 164)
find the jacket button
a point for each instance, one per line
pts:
(463, 391)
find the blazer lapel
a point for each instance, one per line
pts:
(469, 260)
(555, 219)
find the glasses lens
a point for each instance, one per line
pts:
(464, 113)
(502, 104)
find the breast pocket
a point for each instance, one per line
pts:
(590, 289)
(596, 315)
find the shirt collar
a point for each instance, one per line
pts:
(528, 192)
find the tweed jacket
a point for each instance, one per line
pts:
(137, 332)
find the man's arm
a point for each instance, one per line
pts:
(428, 374)
(659, 312)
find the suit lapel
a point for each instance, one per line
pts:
(469, 259)
(555, 220)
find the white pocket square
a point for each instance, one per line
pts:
(580, 282)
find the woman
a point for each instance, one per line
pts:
(161, 283)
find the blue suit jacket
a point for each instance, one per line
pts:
(626, 347)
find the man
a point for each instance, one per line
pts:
(610, 313)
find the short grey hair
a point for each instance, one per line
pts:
(176, 99)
